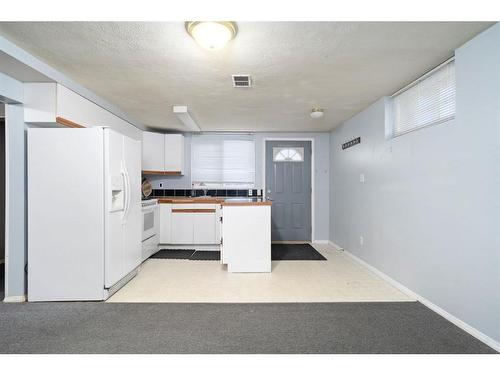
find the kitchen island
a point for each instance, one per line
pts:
(238, 227)
(246, 236)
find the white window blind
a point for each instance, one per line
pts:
(430, 101)
(223, 161)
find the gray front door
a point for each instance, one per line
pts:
(288, 185)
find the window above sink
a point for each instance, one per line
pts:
(222, 161)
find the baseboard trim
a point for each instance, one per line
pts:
(445, 314)
(15, 299)
(320, 242)
(120, 284)
(337, 247)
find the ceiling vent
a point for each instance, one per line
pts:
(242, 80)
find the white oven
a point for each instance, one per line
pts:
(150, 227)
(150, 218)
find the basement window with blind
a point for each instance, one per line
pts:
(428, 101)
(223, 161)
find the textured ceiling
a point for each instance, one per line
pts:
(145, 68)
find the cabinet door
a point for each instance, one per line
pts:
(182, 227)
(218, 224)
(165, 223)
(204, 228)
(153, 146)
(174, 153)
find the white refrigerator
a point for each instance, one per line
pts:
(84, 213)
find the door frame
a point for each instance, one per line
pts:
(313, 189)
(6, 202)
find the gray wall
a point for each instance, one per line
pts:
(429, 210)
(321, 174)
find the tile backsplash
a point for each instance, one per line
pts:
(210, 192)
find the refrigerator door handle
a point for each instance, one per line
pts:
(127, 207)
(126, 194)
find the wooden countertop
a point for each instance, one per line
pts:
(236, 203)
(215, 200)
(191, 200)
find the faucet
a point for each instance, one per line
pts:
(203, 190)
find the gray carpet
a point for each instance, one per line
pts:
(89, 327)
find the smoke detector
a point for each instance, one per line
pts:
(317, 112)
(242, 80)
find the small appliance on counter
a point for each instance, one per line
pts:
(146, 188)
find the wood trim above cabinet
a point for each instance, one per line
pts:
(195, 210)
(69, 124)
(164, 173)
(190, 200)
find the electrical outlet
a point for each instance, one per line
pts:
(361, 240)
(250, 192)
(362, 178)
(160, 185)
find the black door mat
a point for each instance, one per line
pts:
(205, 255)
(173, 254)
(278, 252)
(295, 252)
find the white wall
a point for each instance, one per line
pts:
(429, 210)
(320, 174)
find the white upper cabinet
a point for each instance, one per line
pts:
(51, 104)
(174, 153)
(153, 146)
(163, 153)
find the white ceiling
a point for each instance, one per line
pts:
(145, 68)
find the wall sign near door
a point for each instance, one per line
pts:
(351, 143)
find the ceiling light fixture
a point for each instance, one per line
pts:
(317, 112)
(181, 111)
(212, 35)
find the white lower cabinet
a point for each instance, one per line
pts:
(165, 223)
(190, 224)
(204, 228)
(182, 227)
(246, 233)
